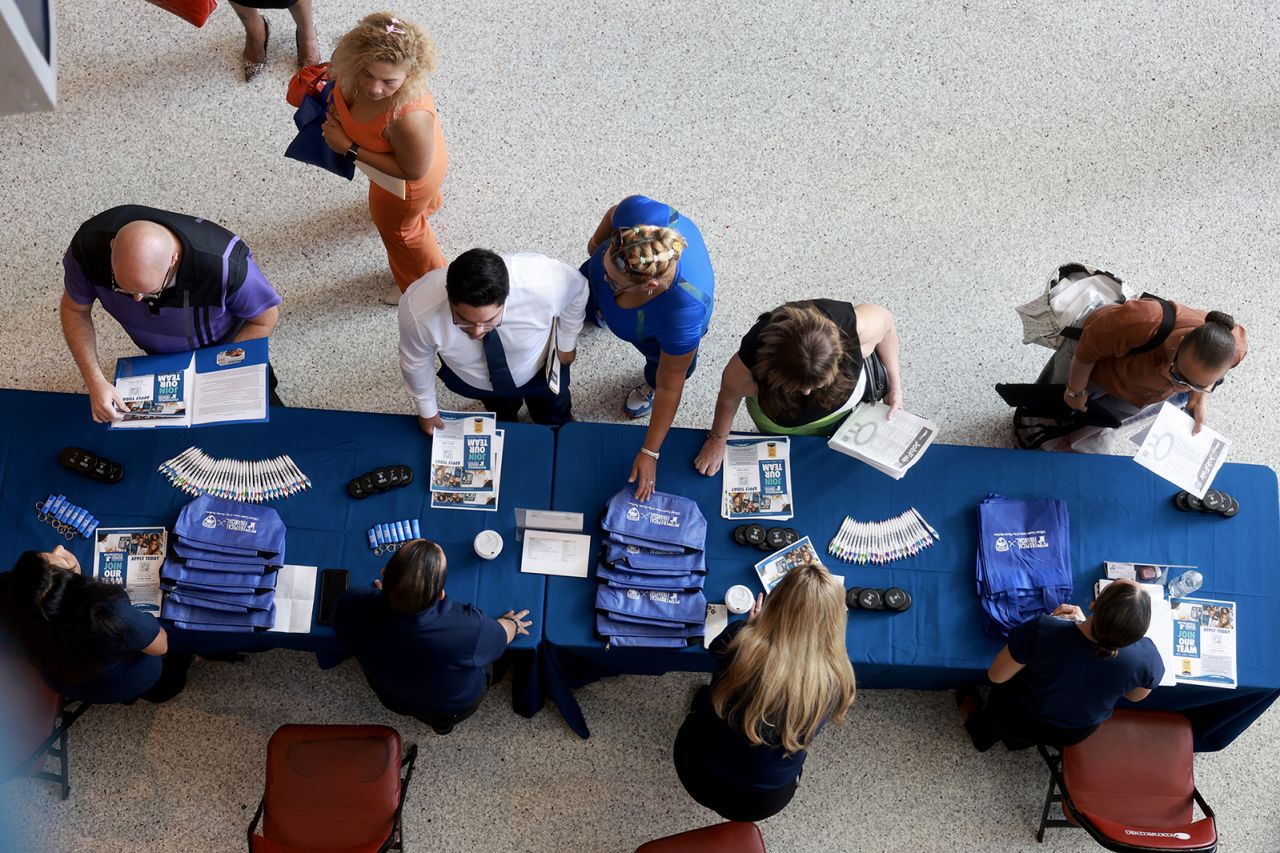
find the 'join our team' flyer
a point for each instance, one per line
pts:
(757, 478)
(1204, 642)
(131, 557)
(466, 460)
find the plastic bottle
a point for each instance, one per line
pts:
(1185, 584)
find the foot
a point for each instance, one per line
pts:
(308, 48)
(254, 58)
(442, 730)
(390, 296)
(639, 402)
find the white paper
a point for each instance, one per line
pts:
(294, 599)
(1205, 642)
(1188, 461)
(717, 621)
(131, 557)
(889, 446)
(547, 553)
(756, 478)
(238, 394)
(773, 568)
(551, 365)
(395, 186)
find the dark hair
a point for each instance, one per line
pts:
(60, 619)
(1121, 616)
(801, 348)
(414, 576)
(1212, 342)
(477, 277)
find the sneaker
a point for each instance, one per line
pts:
(639, 402)
(390, 296)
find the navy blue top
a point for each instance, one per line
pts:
(729, 754)
(129, 676)
(1064, 683)
(431, 662)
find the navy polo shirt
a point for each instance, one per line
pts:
(130, 675)
(1064, 683)
(431, 662)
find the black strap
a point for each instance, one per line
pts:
(1166, 325)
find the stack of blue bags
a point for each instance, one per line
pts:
(220, 574)
(1024, 560)
(652, 567)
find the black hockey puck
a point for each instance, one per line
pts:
(896, 599)
(775, 539)
(1214, 501)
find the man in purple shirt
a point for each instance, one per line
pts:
(173, 282)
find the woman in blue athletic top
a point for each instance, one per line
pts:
(1060, 676)
(652, 284)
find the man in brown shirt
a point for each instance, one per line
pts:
(1194, 359)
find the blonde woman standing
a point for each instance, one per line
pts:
(384, 117)
(780, 677)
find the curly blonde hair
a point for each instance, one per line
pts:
(646, 251)
(382, 37)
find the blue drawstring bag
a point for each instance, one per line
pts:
(672, 607)
(309, 146)
(1023, 560)
(232, 602)
(665, 522)
(644, 635)
(221, 526)
(620, 578)
(200, 618)
(640, 559)
(179, 573)
(216, 561)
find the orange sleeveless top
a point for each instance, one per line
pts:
(371, 134)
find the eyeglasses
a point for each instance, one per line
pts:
(488, 325)
(170, 277)
(1179, 379)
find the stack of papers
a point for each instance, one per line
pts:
(466, 462)
(889, 446)
(222, 384)
(1188, 461)
(757, 478)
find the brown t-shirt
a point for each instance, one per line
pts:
(1141, 379)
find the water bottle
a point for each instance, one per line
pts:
(1185, 584)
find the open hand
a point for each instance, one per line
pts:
(644, 470)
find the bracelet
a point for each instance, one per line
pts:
(512, 620)
(1075, 395)
(717, 435)
(652, 454)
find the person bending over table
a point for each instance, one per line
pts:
(423, 654)
(1194, 359)
(1061, 675)
(489, 318)
(174, 282)
(802, 367)
(652, 285)
(84, 636)
(780, 676)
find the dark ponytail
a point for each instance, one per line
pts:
(1212, 343)
(60, 619)
(1120, 618)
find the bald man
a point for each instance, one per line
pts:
(173, 282)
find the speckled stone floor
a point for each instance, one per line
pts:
(938, 158)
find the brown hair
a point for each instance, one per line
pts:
(647, 251)
(382, 37)
(801, 349)
(414, 576)
(1121, 615)
(1212, 343)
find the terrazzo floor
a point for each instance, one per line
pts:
(938, 158)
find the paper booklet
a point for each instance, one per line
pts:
(1205, 642)
(226, 384)
(395, 186)
(551, 360)
(757, 478)
(462, 453)
(484, 501)
(889, 446)
(132, 557)
(1188, 461)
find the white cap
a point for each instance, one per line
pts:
(488, 544)
(738, 599)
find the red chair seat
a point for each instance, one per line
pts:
(28, 710)
(733, 837)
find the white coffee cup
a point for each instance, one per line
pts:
(488, 544)
(738, 599)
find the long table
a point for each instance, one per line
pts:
(325, 527)
(1118, 511)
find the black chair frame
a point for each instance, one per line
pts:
(395, 839)
(56, 746)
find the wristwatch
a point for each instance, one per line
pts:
(1076, 395)
(353, 152)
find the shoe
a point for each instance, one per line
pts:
(639, 402)
(253, 69)
(442, 730)
(391, 296)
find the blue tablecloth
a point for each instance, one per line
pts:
(1119, 511)
(326, 528)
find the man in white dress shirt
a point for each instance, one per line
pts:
(489, 318)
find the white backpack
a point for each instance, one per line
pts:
(1074, 292)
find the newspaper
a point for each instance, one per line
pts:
(1205, 642)
(757, 478)
(889, 446)
(474, 500)
(132, 557)
(463, 454)
(1188, 461)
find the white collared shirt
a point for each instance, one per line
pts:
(542, 289)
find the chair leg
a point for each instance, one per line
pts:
(1053, 796)
(63, 760)
(1049, 800)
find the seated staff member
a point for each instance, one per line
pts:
(1194, 359)
(802, 367)
(174, 282)
(652, 283)
(423, 654)
(84, 636)
(489, 318)
(780, 676)
(1058, 679)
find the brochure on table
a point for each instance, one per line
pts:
(774, 567)
(1188, 461)
(132, 557)
(483, 501)
(547, 552)
(757, 478)
(1205, 642)
(225, 384)
(889, 446)
(294, 599)
(462, 453)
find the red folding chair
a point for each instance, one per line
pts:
(733, 837)
(1131, 786)
(338, 788)
(35, 721)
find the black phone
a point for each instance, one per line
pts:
(333, 583)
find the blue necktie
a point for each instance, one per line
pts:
(499, 373)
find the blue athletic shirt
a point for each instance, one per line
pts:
(127, 677)
(431, 662)
(678, 318)
(1064, 683)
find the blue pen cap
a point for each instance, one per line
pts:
(373, 540)
(417, 531)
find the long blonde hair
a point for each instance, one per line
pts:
(382, 37)
(790, 669)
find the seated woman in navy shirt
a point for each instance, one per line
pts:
(780, 676)
(424, 655)
(84, 636)
(1060, 676)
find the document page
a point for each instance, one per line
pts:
(757, 478)
(295, 598)
(1205, 642)
(462, 453)
(239, 394)
(131, 557)
(1188, 461)
(548, 553)
(155, 399)
(474, 500)
(889, 446)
